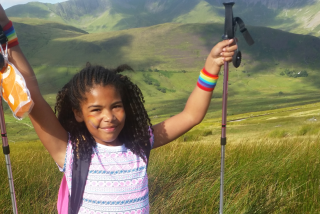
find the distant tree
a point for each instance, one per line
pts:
(302, 74)
(162, 89)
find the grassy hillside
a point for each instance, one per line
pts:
(34, 10)
(167, 59)
(300, 17)
(165, 46)
(273, 129)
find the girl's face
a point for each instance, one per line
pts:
(103, 114)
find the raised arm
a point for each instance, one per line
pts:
(198, 102)
(51, 133)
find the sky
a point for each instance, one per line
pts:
(9, 3)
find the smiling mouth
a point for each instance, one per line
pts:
(109, 129)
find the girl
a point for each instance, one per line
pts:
(101, 117)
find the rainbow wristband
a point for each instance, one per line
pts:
(207, 81)
(11, 35)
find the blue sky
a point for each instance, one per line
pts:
(9, 3)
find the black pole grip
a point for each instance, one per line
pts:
(223, 141)
(229, 21)
(6, 150)
(2, 61)
(3, 37)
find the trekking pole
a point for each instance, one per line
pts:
(6, 152)
(229, 33)
(5, 144)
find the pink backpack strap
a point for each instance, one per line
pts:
(63, 197)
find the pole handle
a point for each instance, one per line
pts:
(229, 21)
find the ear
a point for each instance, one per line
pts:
(78, 115)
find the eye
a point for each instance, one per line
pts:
(118, 106)
(95, 110)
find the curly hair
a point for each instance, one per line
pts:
(135, 133)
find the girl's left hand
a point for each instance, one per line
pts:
(220, 53)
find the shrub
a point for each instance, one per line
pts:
(294, 74)
(149, 80)
(162, 89)
(302, 74)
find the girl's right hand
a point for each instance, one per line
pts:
(3, 17)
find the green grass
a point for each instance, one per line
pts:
(36, 179)
(266, 172)
(261, 176)
(278, 133)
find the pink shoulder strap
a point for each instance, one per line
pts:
(63, 197)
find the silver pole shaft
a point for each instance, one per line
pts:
(6, 152)
(223, 131)
(223, 149)
(12, 192)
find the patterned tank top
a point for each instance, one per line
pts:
(117, 181)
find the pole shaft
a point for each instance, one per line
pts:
(222, 179)
(225, 99)
(223, 131)
(12, 192)
(5, 144)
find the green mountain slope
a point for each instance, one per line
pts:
(167, 46)
(37, 33)
(111, 15)
(167, 59)
(34, 10)
(160, 53)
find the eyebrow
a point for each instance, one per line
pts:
(94, 106)
(99, 106)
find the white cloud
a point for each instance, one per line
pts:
(6, 4)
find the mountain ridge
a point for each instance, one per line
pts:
(172, 45)
(111, 15)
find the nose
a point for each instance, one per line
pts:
(108, 116)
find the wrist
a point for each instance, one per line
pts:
(207, 81)
(212, 68)
(11, 36)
